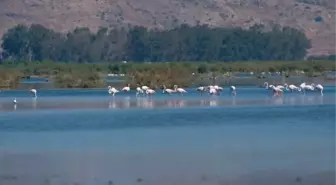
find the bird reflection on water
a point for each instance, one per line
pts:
(34, 103)
(233, 101)
(150, 103)
(192, 99)
(213, 103)
(112, 104)
(127, 102)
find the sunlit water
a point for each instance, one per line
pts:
(88, 137)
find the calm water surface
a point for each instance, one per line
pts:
(89, 137)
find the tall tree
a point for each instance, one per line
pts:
(16, 42)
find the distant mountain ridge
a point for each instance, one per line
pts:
(315, 17)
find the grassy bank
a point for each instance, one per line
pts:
(65, 75)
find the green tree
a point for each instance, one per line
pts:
(16, 42)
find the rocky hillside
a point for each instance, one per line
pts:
(315, 17)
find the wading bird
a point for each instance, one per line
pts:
(318, 87)
(150, 92)
(33, 92)
(169, 91)
(179, 90)
(201, 89)
(139, 90)
(112, 90)
(127, 88)
(291, 87)
(233, 90)
(212, 90)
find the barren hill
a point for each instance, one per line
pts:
(315, 17)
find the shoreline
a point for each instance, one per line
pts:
(224, 82)
(24, 75)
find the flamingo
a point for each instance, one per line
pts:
(169, 91)
(144, 88)
(319, 87)
(291, 87)
(211, 87)
(139, 91)
(127, 88)
(34, 92)
(212, 90)
(277, 91)
(304, 87)
(201, 89)
(14, 101)
(179, 90)
(218, 89)
(112, 90)
(150, 91)
(280, 87)
(309, 87)
(233, 90)
(267, 86)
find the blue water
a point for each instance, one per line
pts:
(34, 80)
(89, 137)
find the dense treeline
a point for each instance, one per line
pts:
(200, 43)
(323, 57)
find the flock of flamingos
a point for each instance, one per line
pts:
(212, 89)
(303, 87)
(216, 90)
(277, 90)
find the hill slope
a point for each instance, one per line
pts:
(316, 18)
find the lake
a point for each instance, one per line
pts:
(87, 137)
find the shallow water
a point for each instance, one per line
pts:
(88, 137)
(98, 98)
